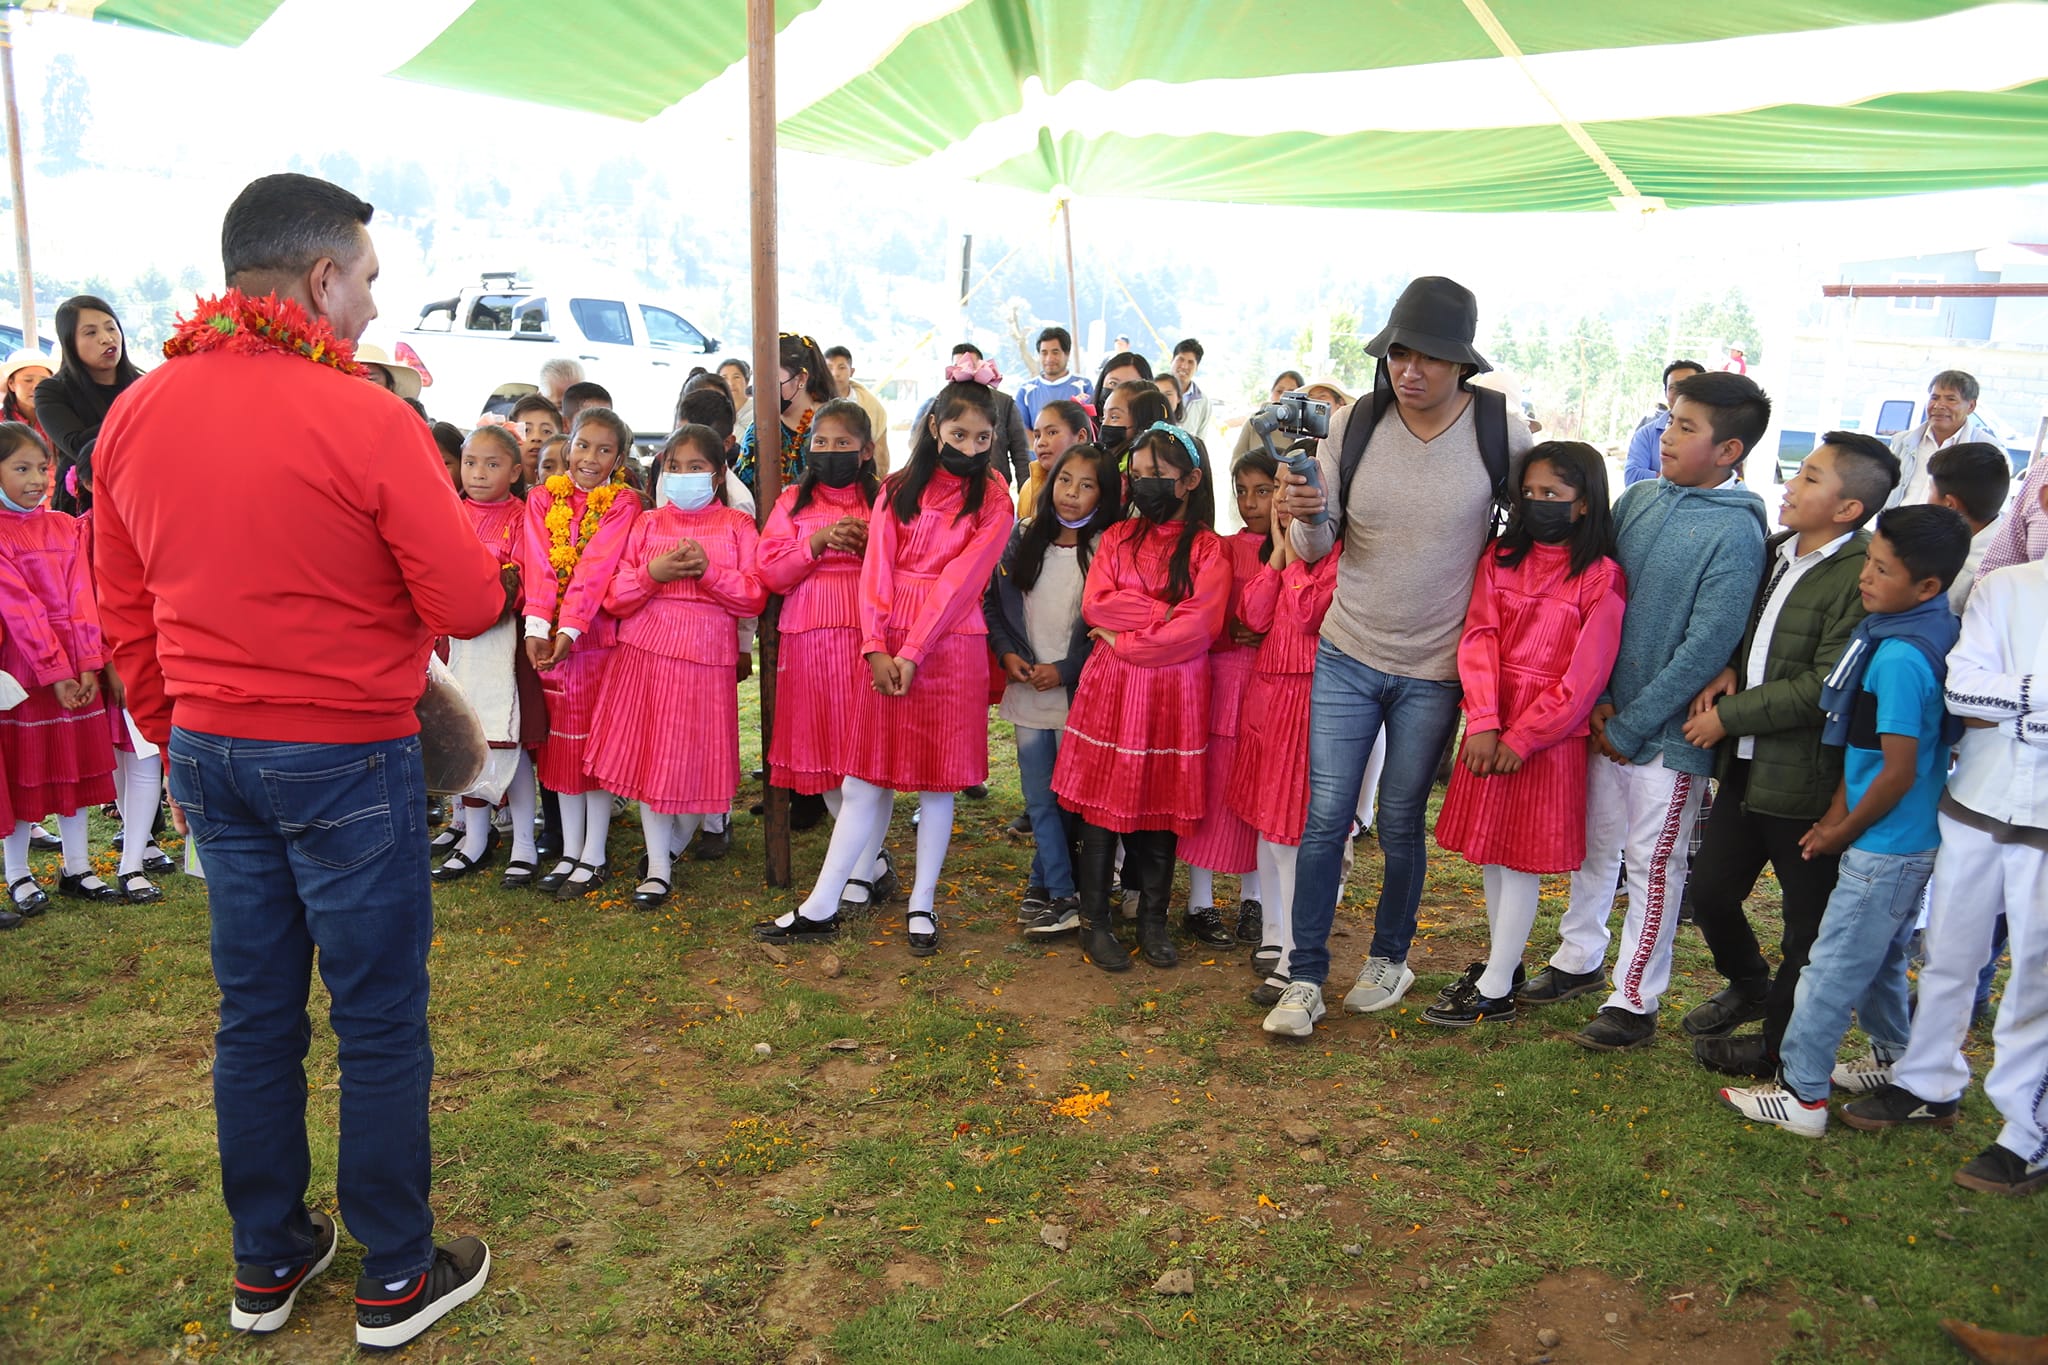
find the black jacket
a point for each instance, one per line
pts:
(1002, 606)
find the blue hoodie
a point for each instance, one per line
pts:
(1693, 557)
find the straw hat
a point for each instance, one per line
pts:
(1344, 398)
(22, 360)
(405, 380)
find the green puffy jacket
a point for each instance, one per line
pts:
(1793, 774)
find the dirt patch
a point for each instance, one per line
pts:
(172, 1077)
(1597, 1320)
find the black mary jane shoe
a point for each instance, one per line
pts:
(518, 876)
(41, 840)
(643, 899)
(31, 905)
(554, 880)
(458, 866)
(446, 840)
(921, 945)
(798, 930)
(138, 889)
(157, 862)
(73, 887)
(571, 889)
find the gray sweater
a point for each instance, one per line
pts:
(1417, 519)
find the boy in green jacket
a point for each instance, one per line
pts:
(1776, 776)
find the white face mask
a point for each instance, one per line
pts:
(690, 492)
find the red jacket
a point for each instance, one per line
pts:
(276, 547)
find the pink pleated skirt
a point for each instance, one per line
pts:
(57, 762)
(1532, 820)
(1136, 748)
(570, 689)
(818, 675)
(667, 733)
(935, 739)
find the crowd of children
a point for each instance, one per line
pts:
(1876, 752)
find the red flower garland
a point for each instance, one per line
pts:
(242, 325)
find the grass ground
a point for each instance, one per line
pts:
(892, 1178)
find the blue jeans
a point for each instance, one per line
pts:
(1348, 705)
(321, 846)
(1052, 865)
(1858, 963)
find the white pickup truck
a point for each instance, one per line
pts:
(500, 331)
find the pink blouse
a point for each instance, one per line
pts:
(690, 618)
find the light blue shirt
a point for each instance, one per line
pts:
(1644, 461)
(1034, 394)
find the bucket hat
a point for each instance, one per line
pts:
(1438, 317)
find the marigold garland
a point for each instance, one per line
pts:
(563, 552)
(237, 323)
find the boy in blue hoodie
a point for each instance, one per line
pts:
(1692, 546)
(1884, 703)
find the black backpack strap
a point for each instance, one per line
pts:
(1490, 427)
(1357, 435)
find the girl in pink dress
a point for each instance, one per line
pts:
(668, 726)
(1134, 760)
(1540, 639)
(576, 528)
(933, 540)
(1285, 605)
(57, 746)
(493, 669)
(810, 553)
(1224, 842)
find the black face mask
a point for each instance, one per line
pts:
(1155, 498)
(960, 462)
(1549, 522)
(1110, 437)
(836, 468)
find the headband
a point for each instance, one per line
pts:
(980, 372)
(1187, 441)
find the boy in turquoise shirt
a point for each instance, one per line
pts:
(1884, 702)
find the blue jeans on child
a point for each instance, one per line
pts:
(1858, 963)
(1348, 704)
(1052, 865)
(317, 846)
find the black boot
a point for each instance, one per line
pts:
(1153, 850)
(1094, 868)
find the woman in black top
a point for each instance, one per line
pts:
(72, 403)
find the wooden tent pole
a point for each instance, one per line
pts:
(29, 334)
(1073, 310)
(767, 392)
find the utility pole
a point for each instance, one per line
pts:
(29, 334)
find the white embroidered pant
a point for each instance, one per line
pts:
(1648, 811)
(1976, 879)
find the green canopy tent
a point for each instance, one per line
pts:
(1456, 105)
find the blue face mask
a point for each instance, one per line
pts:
(12, 505)
(690, 492)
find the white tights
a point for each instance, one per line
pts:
(71, 828)
(139, 784)
(1202, 887)
(860, 826)
(520, 800)
(667, 835)
(1276, 911)
(586, 822)
(1510, 915)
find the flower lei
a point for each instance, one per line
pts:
(563, 552)
(236, 323)
(792, 446)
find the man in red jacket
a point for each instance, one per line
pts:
(277, 547)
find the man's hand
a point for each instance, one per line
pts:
(1044, 677)
(178, 820)
(1723, 685)
(1304, 500)
(1015, 669)
(1479, 752)
(1705, 728)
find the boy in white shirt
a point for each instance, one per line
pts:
(1974, 479)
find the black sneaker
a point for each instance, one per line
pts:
(387, 1318)
(1463, 1006)
(1207, 926)
(1896, 1107)
(1022, 824)
(1553, 987)
(1724, 1011)
(709, 845)
(1036, 898)
(1251, 923)
(977, 792)
(1999, 1170)
(1268, 992)
(1615, 1029)
(1061, 916)
(1470, 982)
(263, 1301)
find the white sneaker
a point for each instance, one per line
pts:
(1863, 1075)
(1301, 1005)
(1775, 1105)
(1380, 985)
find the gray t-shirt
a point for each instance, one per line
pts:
(1049, 611)
(1413, 529)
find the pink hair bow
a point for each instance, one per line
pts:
(982, 372)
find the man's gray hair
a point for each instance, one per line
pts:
(562, 371)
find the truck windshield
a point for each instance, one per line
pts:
(669, 329)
